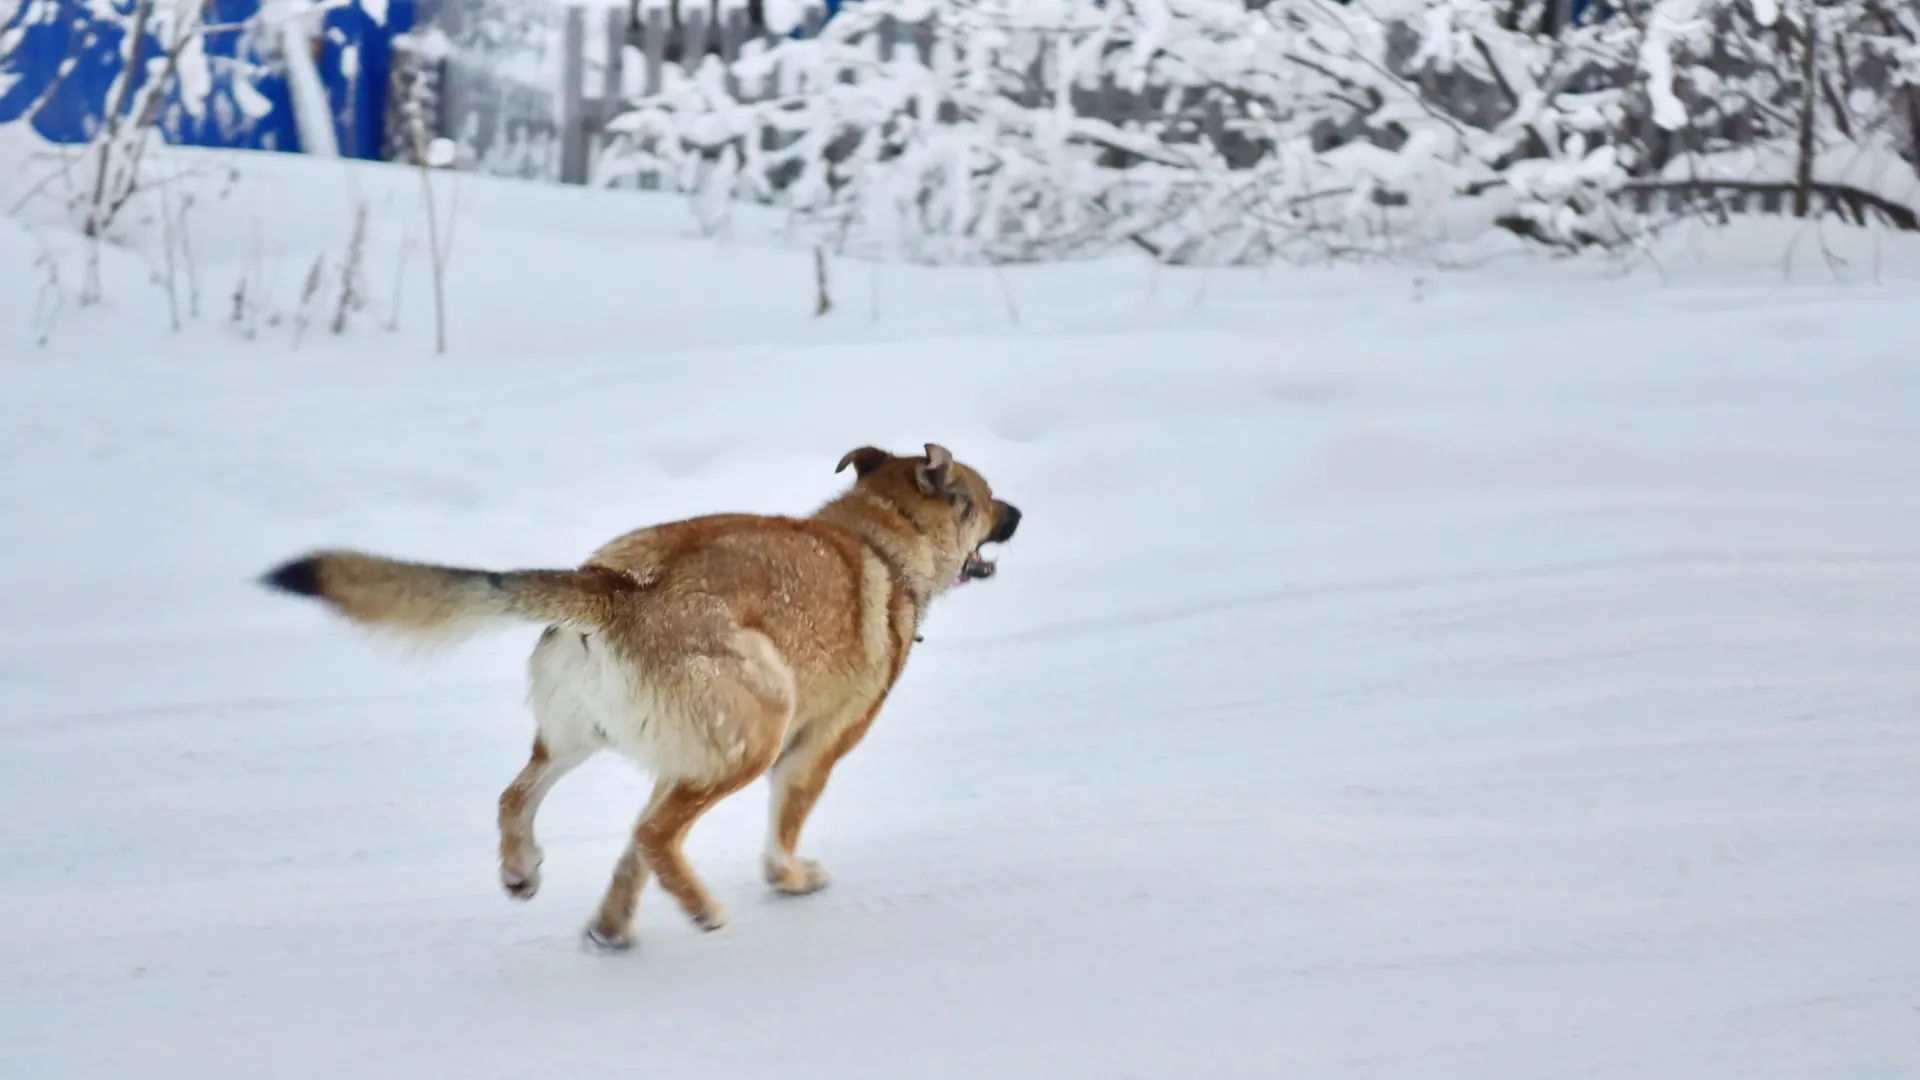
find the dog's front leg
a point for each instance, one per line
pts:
(797, 780)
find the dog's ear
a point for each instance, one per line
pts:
(864, 460)
(936, 476)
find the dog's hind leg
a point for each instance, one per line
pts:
(561, 680)
(612, 926)
(520, 855)
(676, 805)
(741, 713)
(797, 780)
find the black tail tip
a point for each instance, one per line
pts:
(301, 577)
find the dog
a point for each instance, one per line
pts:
(709, 651)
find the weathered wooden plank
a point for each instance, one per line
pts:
(573, 78)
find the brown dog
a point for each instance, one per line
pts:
(708, 650)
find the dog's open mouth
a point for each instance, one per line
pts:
(977, 568)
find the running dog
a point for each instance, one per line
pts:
(709, 651)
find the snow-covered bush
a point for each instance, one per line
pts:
(120, 188)
(1807, 102)
(1236, 130)
(163, 79)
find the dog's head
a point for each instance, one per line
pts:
(948, 502)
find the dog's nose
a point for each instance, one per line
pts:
(1006, 518)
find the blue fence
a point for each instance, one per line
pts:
(62, 65)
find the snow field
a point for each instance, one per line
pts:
(1508, 674)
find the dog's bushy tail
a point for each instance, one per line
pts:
(424, 601)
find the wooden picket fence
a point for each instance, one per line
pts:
(685, 34)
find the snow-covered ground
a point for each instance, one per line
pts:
(1508, 673)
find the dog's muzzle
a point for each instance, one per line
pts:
(1006, 518)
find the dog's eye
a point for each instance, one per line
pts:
(968, 508)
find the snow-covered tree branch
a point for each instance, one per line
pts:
(1219, 130)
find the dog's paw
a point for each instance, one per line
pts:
(600, 939)
(797, 877)
(714, 918)
(520, 884)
